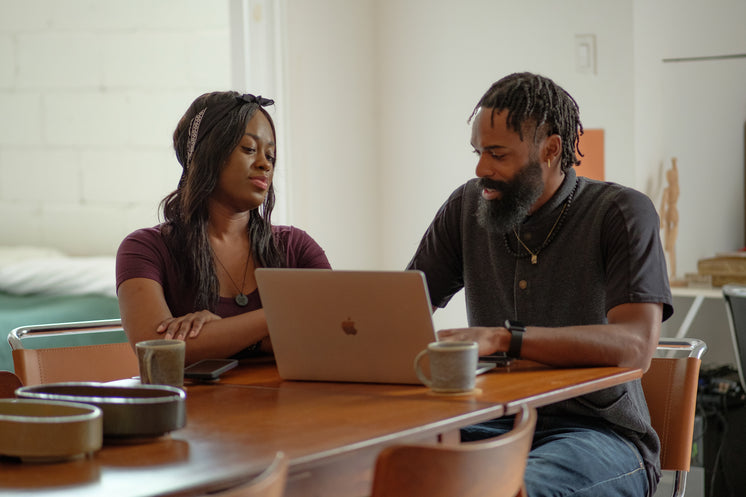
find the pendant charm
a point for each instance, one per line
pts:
(241, 299)
(534, 259)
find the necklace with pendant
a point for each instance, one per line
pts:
(555, 228)
(535, 255)
(241, 299)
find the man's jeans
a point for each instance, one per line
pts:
(571, 457)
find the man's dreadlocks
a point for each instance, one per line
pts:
(531, 99)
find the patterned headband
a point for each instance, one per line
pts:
(197, 131)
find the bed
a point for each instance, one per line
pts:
(42, 286)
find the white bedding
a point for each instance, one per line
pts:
(36, 270)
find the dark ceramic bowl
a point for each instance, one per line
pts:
(128, 411)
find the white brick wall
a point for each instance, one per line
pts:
(90, 92)
(8, 58)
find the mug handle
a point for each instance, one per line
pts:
(148, 359)
(420, 374)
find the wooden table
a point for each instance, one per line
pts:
(332, 432)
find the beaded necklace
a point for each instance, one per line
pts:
(552, 233)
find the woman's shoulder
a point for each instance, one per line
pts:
(289, 233)
(301, 250)
(143, 254)
(151, 233)
(292, 238)
(152, 237)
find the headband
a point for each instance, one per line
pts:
(200, 126)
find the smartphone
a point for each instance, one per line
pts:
(209, 369)
(499, 359)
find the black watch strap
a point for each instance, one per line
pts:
(516, 330)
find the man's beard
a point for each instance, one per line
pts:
(518, 195)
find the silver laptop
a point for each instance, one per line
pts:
(357, 326)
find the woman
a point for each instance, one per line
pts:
(192, 277)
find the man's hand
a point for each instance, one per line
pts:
(488, 339)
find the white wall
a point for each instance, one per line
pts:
(90, 93)
(332, 123)
(436, 63)
(432, 61)
(375, 100)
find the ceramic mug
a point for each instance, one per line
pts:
(161, 362)
(453, 366)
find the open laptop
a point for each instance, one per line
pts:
(357, 326)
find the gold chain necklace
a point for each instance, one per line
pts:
(535, 255)
(241, 299)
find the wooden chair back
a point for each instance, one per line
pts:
(670, 387)
(9, 382)
(485, 468)
(103, 362)
(270, 483)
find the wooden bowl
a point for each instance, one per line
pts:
(45, 431)
(142, 411)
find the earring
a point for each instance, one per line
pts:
(549, 163)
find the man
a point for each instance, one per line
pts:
(577, 263)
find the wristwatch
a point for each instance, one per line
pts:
(516, 329)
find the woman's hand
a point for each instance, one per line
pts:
(187, 326)
(488, 339)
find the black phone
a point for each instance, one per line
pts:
(499, 359)
(209, 369)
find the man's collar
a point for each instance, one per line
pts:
(559, 197)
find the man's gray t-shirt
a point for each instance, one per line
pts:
(605, 251)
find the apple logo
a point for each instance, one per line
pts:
(348, 325)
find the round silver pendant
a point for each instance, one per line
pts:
(241, 299)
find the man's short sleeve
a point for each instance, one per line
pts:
(439, 252)
(635, 264)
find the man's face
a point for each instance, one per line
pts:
(511, 174)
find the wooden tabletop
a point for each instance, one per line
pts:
(332, 432)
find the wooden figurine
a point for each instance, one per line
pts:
(670, 217)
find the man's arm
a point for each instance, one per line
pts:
(628, 340)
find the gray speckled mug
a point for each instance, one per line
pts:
(161, 362)
(453, 366)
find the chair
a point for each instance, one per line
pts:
(8, 384)
(492, 467)
(270, 483)
(735, 307)
(670, 387)
(101, 362)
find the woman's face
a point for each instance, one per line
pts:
(247, 176)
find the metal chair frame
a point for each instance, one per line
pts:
(102, 362)
(670, 387)
(731, 293)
